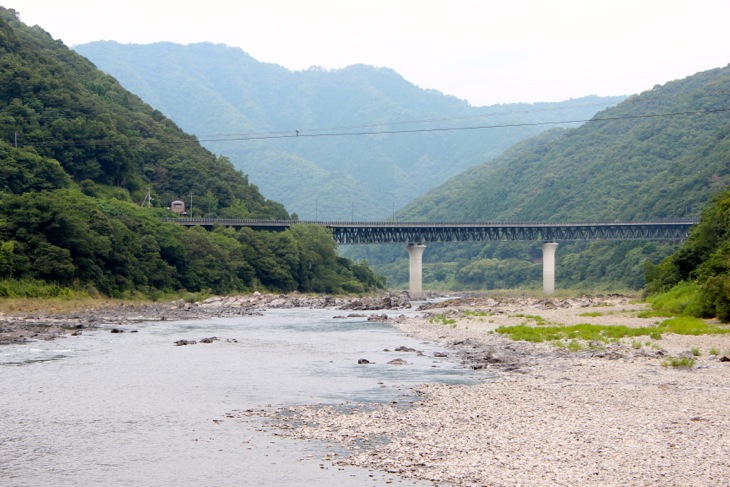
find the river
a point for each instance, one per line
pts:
(133, 409)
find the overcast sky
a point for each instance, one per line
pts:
(483, 51)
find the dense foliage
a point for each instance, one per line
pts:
(115, 247)
(230, 100)
(696, 278)
(78, 153)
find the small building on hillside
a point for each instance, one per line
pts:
(178, 207)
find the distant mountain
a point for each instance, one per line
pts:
(660, 154)
(358, 142)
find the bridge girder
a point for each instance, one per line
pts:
(391, 232)
(525, 232)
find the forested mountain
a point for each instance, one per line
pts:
(661, 154)
(358, 142)
(78, 154)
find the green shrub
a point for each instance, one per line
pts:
(679, 362)
(715, 298)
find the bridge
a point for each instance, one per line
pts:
(417, 235)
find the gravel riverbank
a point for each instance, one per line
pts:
(604, 415)
(601, 414)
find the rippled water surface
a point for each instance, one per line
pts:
(134, 409)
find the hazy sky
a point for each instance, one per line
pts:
(484, 51)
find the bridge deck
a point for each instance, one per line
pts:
(414, 232)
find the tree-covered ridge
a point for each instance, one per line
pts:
(78, 153)
(660, 154)
(59, 104)
(230, 100)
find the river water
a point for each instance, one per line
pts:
(133, 409)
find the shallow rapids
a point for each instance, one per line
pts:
(134, 409)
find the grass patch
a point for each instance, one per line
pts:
(682, 299)
(678, 362)
(591, 314)
(689, 325)
(574, 346)
(477, 313)
(32, 289)
(653, 313)
(75, 301)
(583, 331)
(442, 319)
(681, 325)
(537, 319)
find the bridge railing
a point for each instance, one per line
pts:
(423, 232)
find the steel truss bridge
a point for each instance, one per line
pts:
(405, 232)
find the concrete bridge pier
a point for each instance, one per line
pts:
(415, 269)
(548, 267)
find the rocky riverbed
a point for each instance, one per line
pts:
(604, 415)
(22, 327)
(599, 414)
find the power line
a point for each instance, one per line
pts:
(301, 133)
(408, 122)
(341, 131)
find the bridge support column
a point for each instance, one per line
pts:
(548, 267)
(415, 269)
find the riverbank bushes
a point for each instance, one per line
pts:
(116, 248)
(695, 280)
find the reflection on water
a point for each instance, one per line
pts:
(134, 409)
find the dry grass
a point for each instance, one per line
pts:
(56, 305)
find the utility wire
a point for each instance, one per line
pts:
(408, 122)
(302, 133)
(340, 132)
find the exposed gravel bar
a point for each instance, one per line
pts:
(605, 416)
(24, 327)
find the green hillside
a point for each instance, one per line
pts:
(79, 154)
(661, 154)
(368, 140)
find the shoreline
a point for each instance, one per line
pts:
(605, 415)
(24, 327)
(610, 415)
